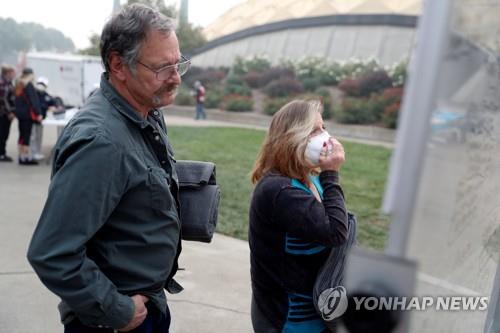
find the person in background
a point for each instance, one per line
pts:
(28, 111)
(199, 95)
(109, 237)
(297, 214)
(47, 103)
(7, 107)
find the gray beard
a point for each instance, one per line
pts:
(156, 100)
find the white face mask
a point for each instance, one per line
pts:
(315, 145)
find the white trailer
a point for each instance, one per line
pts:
(71, 77)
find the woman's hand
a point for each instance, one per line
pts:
(332, 156)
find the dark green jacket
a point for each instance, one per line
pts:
(110, 226)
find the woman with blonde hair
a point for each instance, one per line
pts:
(297, 215)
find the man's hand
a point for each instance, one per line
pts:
(11, 116)
(140, 313)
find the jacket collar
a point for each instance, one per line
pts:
(121, 103)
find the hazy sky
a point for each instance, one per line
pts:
(78, 19)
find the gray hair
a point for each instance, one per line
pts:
(125, 32)
(6, 69)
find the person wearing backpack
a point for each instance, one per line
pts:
(28, 111)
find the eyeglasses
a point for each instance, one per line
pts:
(167, 71)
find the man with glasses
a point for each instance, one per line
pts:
(108, 238)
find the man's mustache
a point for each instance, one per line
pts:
(167, 88)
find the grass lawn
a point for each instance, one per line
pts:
(234, 150)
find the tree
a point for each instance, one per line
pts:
(22, 37)
(93, 49)
(190, 37)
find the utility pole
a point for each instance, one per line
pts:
(116, 6)
(183, 12)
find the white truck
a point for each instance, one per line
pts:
(71, 77)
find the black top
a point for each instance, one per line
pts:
(27, 103)
(7, 96)
(46, 101)
(290, 236)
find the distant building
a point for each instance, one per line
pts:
(293, 29)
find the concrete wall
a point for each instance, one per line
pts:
(387, 44)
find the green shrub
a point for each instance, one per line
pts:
(207, 76)
(272, 105)
(253, 79)
(378, 107)
(375, 105)
(357, 68)
(275, 73)
(398, 73)
(241, 66)
(211, 77)
(323, 91)
(213, 98)
(390, 115)
(257, 64)
(379, 102)
(284, 86)
(257, 80)
(238, 67)
(393, 94)
(392, 98)
(374, 82)
(310, 67)
(235, 85)
(331, 74)
(355, 111)
(326, 99)
(184, 96)
(233, 79)
(237, 89)
(237, 103)
(350, 87)
(311, 83)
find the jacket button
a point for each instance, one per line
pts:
(163, 162)
(157, 138)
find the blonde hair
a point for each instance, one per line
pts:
(285, 143)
